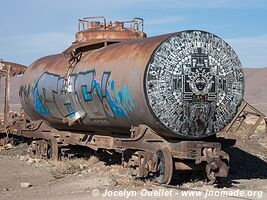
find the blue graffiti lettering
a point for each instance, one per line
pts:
(39, 107)
(88, 94)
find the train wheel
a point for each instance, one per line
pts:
(165, 167)
(41, 150)
(140, 164)
(217, 165)
(210, 172)
(4, 141)
(53, 150)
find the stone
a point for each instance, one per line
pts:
(25, 185)
(113, 182)
(4, 189)
(21, 158)
(30, 161)
(83, 167)
(8, 146)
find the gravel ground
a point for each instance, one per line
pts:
(23, 177)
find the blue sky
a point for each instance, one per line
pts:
(30, 29)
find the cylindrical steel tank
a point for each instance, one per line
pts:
(186, 84)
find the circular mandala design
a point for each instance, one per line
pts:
(194, 83)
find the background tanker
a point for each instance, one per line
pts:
(187, 84)
(152, 101)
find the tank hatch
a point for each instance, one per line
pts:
(97, 28)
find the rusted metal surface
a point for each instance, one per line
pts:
(119, 85)
(244, 111)
(8, 70)
(217, 163)
(89, 29)
(15, 69)
(7, 95)
(147, 153)
(97, 116)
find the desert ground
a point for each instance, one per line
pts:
(75, 181)
(95, 177)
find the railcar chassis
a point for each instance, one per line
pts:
(147, 154)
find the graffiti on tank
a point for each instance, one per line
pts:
(85, 96)
(122, 98)
(24, 93)
(49, 98)
(90, 87)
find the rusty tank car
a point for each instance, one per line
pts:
(187, 84)
(159, 101)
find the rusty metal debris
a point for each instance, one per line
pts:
(8, 70)
(116, 89)
(245, 110)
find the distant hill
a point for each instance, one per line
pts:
(14, 93)
(256, 87)
(255, 91)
